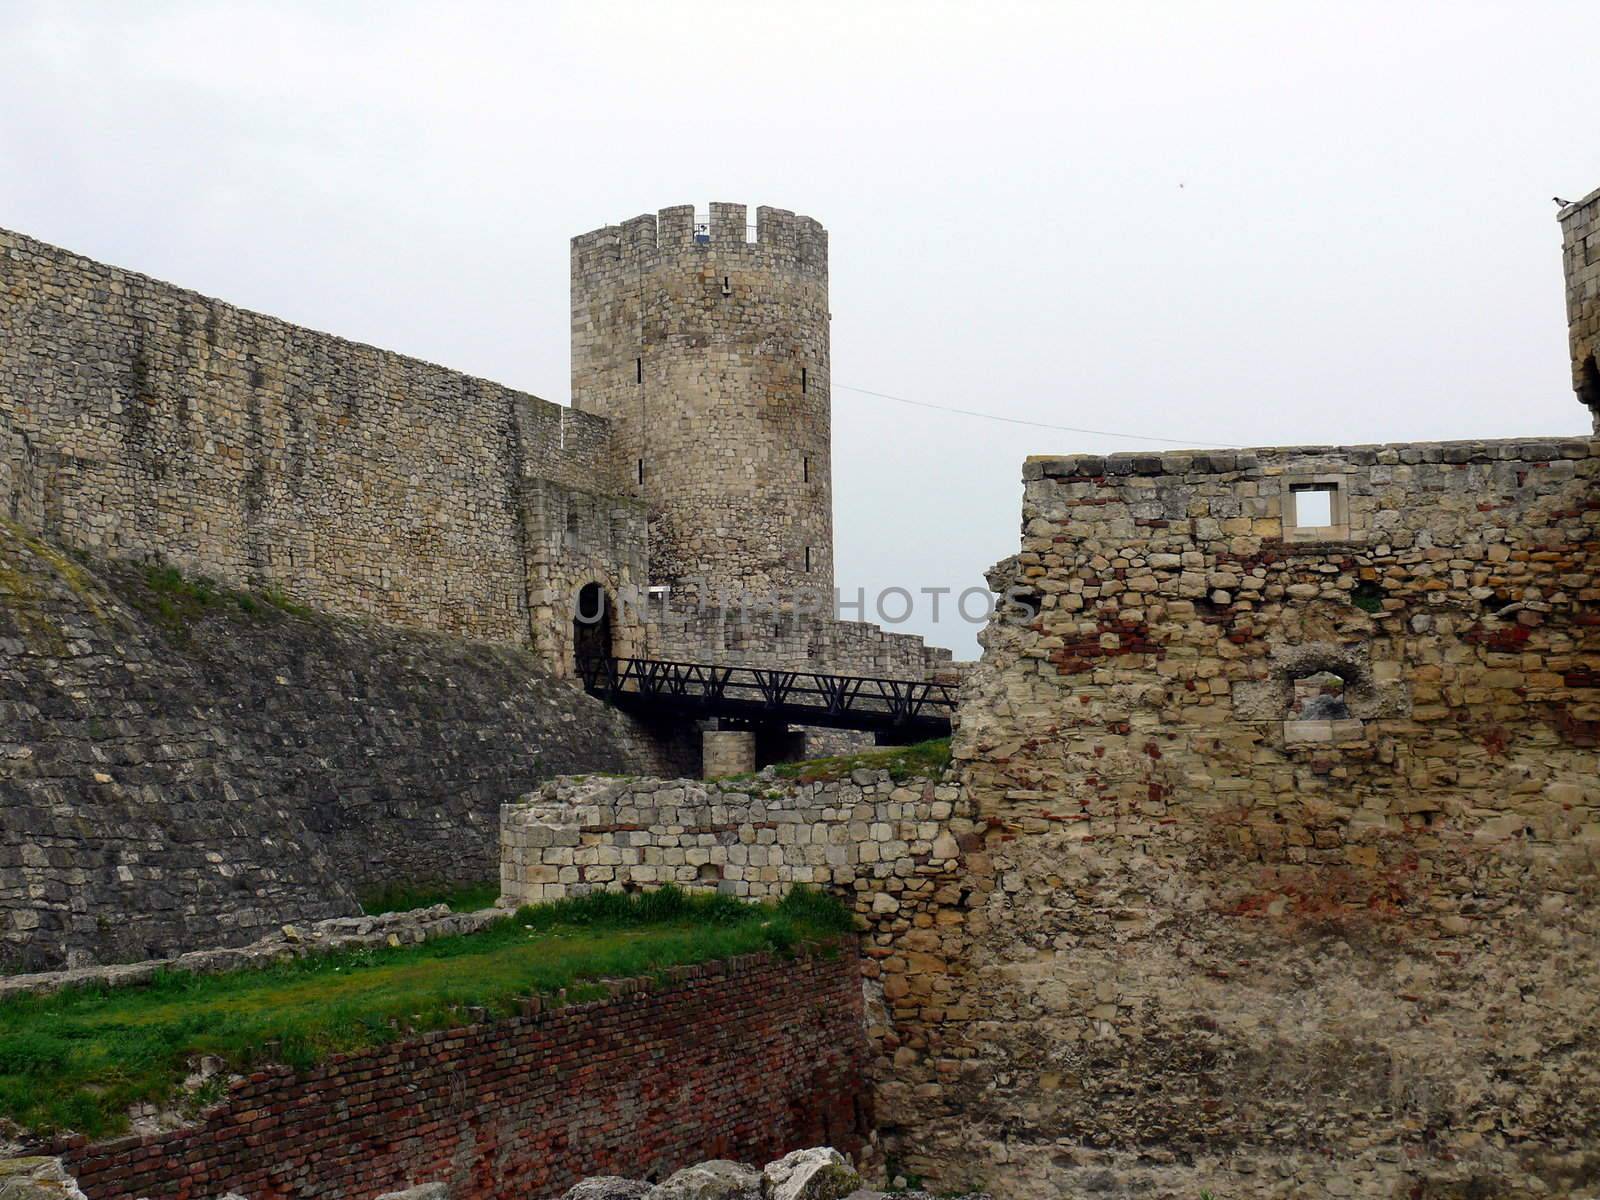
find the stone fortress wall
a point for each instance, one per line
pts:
(169, 780)
(1176, 922)
(1580, 249)
(162, 424)
(1259, 925)
(707, 349)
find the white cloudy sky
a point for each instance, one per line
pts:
(1246, 223)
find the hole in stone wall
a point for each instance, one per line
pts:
(1024, 604)
(1368, 597)
(1319, 697)
(638, 370)
(804, 386)
(805, 470)
(1313, 505)
(1589, 383)
(808, 558)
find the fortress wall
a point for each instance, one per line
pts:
(21, 501)
(746, 1059)
(906, 854)
(1580, 254)
(756, 838)
(174, 775)
(1302, 951)
(573, 537)
(167, 424)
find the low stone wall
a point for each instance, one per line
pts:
(866, 835)
(748, 1059)
(904, 854)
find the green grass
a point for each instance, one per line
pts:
(78, 1059)
(177, 601)
(923, 760)
(402, 897)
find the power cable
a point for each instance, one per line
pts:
(968, 412)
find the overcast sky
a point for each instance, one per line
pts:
(1249, 224)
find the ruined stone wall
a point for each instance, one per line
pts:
(1580, 255)
(905, 853)
(178, 772)
(709, 353)
(746, 1059)
(165, 424)
(1231, 933)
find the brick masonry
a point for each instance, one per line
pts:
(746, 1059)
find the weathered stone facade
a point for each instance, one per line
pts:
(1230, 936)
(1580, 250)
(708, 352)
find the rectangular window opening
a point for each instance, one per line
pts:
(641, 470)
(1313, 505)
(803, 384)
(638, 370)
(808, 558)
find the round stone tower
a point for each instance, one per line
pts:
(705, 342)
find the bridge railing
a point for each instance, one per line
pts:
(784, 693)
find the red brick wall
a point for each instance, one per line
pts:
(746, 1059)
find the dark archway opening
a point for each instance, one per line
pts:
(591, 625)
(1589, 383)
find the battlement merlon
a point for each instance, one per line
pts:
(798, 242)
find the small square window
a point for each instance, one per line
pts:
(1313, 506)
(1316, 508)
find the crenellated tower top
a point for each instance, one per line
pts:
(704, 340)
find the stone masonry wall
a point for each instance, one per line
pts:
(173, 776)
(165, 424)
(746, 1059)
(709, 353)
(1289, 874)
(904, 853)
(1580, 254)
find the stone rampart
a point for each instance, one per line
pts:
(165, 424)
(905, 854)
(745, 1059)
(178, 772)
(1289, 875)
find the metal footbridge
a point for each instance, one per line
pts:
(900, 710)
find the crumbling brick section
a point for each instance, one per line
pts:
(745, 1059)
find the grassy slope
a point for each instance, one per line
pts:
(79, 1059)
(923, 760)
